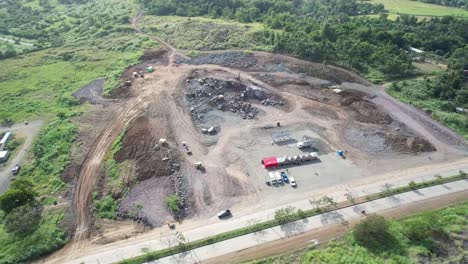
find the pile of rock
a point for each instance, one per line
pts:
(245, 110)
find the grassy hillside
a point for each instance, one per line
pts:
(199, 33)
(79, 43)
(416, 93)
(431, 237)
(410, 7)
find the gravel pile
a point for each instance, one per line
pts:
(235, 59)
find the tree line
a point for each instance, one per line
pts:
(452, 3)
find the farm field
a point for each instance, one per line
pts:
(415, 8)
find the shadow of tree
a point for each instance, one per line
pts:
(292, 228)
(333, 218)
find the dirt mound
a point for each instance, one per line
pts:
(146, 202)
(91, 93)
(232, 59)
(139, 144)
(156, 56)
(374, 140)
(406, 143)
(365, 111)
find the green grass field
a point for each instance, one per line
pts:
(420, 9)
(198, 33)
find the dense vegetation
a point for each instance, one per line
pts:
(431, 237)
(375, 47)
(440, 95)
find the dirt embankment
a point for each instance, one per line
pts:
(267, 62)
(140, 145)
(375, 131)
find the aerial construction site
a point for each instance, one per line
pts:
(199, 128)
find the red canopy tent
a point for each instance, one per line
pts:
(271, 162)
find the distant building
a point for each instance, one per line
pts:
(4, 155)
(415, 50)
(4, 140)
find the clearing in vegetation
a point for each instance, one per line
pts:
(415, 8)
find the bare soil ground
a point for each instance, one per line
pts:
(178, 101)
(243, 95)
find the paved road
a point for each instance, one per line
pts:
(342, 216)
(126, 249)
(30, 131)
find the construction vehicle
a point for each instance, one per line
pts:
(199, 165)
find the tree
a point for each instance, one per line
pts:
(14, 198)
(285, 215)
(23, 220)
(350, 198)
(438, 178)
(372, 231)
(328, 202)
(418, 229)
(174, 203)
(412, 185)
(387, 188)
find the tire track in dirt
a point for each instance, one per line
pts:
(90, 168)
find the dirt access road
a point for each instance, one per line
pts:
(30, 131)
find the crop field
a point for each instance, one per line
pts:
(420, 9)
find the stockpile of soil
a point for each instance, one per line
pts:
(139, 144)
(232, 59)
(408, 143)
(91, 93)
(364, 111)
(375, 139)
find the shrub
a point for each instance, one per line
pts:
(371, 231)
(285, 215)
(174, 204)
(412, 185)
(107, 207)
(14, 198)
(23, 220)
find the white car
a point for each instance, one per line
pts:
(292, 181)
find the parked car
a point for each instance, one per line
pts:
(292, 181)
(16, 169)
(284, 176)
(224, 214)
(279, 179)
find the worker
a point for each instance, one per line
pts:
(278, 124)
